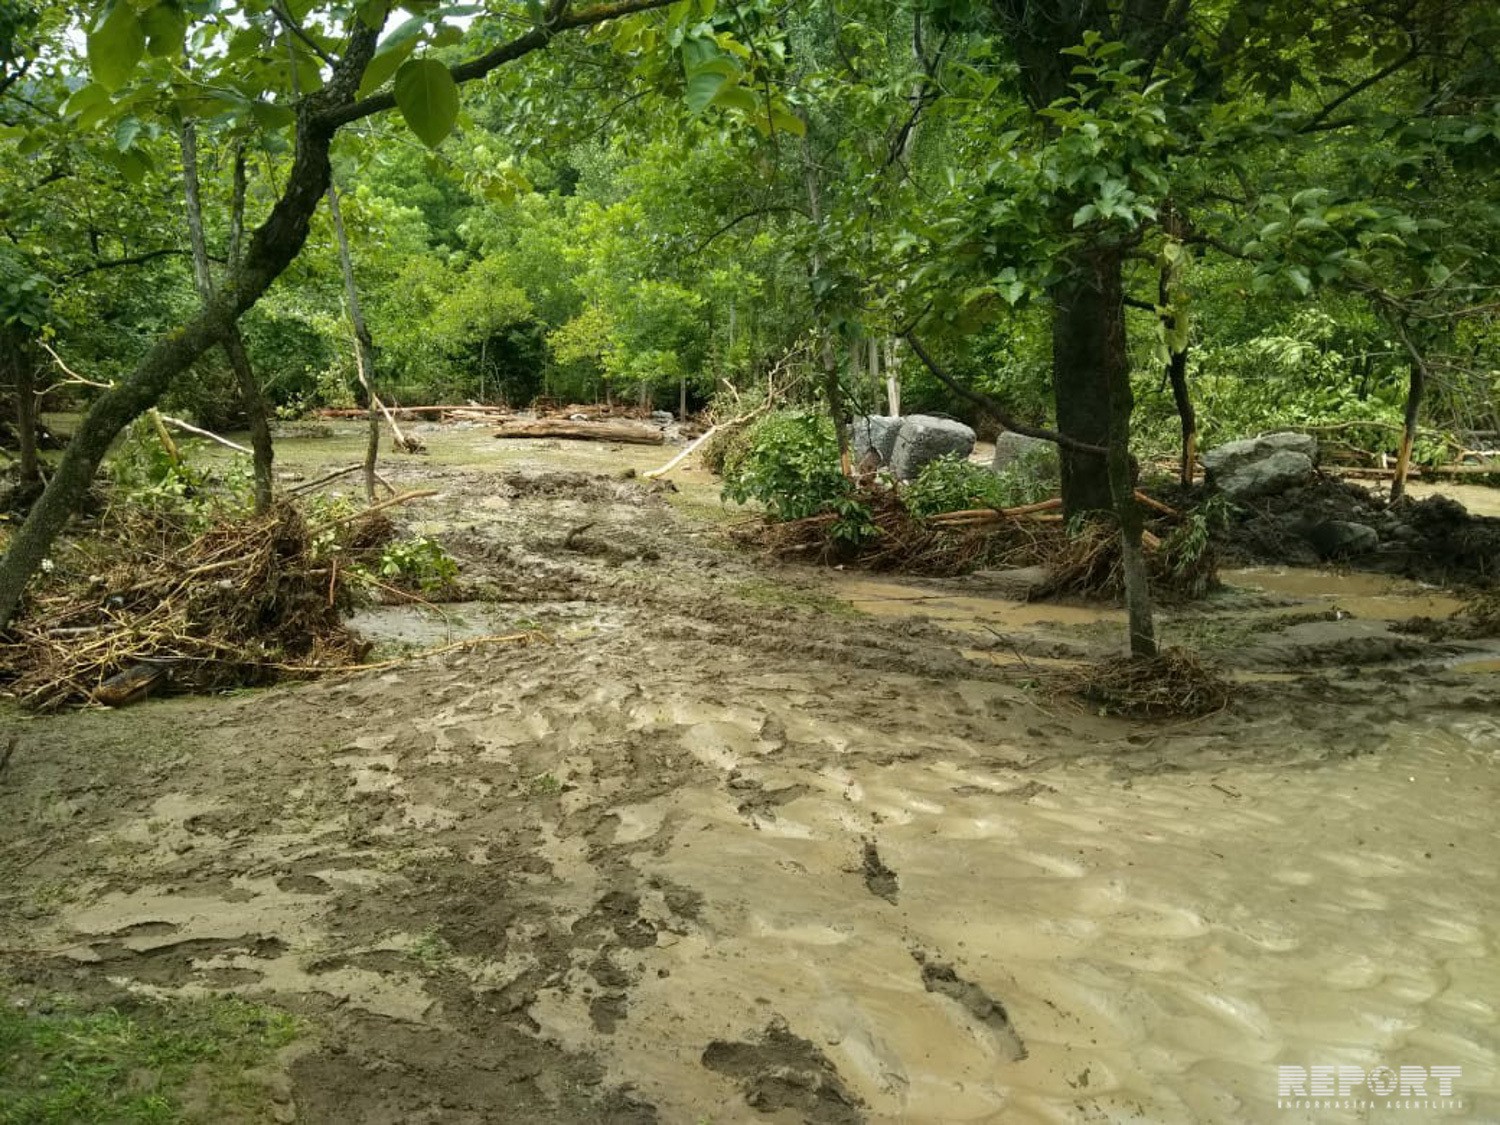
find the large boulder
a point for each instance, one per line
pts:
(1262, 466)
(1033, 456)
(877, 433)
(924, 439)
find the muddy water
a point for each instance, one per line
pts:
(1156, 947)
(1374, 596)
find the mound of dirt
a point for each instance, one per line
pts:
(1329, 519)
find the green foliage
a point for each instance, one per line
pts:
(428, 99)
(418, 563)
(953, 484)
(790, 463)
(61, 1066)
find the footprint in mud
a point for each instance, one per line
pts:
(944, 980)
(786, 1072)
(880, 880)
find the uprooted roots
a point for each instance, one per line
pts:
(1089, 564)
(248, 601)
(1172, 684)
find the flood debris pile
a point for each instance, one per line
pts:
(146, 606)
(1172, 684)
(876, 530)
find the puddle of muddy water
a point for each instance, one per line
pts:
(1373, 596)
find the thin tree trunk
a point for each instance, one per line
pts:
(364, 345)
(827, 354)
(1109, 293)
(682, 398)
(1177, 377)
(234, 343)
(1415, 388)
(893, 376)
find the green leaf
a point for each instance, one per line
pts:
(86, 98)
(394, 51)
(166, 30)
(706, 80)
(787, 122)
(126, 132)
(428, 98)
(116, 46)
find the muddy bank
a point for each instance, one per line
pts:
(744, 844)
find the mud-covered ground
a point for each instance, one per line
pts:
(732, 842)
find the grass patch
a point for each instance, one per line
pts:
(67, 1066)
(765, 592)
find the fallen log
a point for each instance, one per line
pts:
(457, 407)
(632, 433)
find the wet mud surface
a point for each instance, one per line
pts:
(738, 843)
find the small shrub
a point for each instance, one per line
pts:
(952, 484)
(790, 463)
(418, 563)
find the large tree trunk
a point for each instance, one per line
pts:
(364, 343)
(234, 344)
(1081, 343)
(273, 246)
(1104, 279)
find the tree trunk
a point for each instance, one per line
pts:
(1081, 342)
(682, 398)
(275, 243)
(234, 343)
(893, 376)
(1178, 377)
(1187, 416)
(1108, 298)
(1415, 388)
(364, 344)
(826, 350)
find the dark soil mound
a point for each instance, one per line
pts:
(1434, 540)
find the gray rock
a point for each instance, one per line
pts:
(1337, 539)
(877, 432)
(924, 439)
(1262, 466)
(1017, 451)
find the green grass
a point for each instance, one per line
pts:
(73, 1067)
(766, 592)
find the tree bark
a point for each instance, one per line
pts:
(1104, 279)
(1081, 346)
(1177, 376)
(893, 376)
(1415, 388)
(263, 453)
(364, 344)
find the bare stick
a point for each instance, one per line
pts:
(181, 425)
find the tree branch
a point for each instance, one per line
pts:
(132, 260)
(1316, 121)
(557, 20)
(994, 409)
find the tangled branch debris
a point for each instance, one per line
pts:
(1083, 561)
(1172, 684)
(248, 601)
